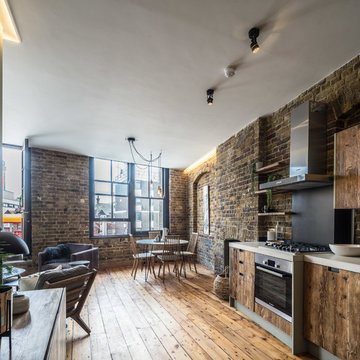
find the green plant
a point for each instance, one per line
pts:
(3, 256)
(272, 177)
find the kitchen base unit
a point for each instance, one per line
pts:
(267, 286)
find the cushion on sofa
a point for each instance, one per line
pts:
(61, 251)
(59, 275)
(29, 282)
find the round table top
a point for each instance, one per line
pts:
(153, 242)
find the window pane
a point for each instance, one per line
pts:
(102, 169)
(104, 228)
(102, 188)
(141, 180)
(120, 189)
(11, 185)
(120, 210)
(156, 214)
(142, 215)
(119, 171)
(102, 206)
(156, 188)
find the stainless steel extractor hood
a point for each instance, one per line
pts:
(307, 150)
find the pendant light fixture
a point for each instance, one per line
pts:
(149, 162)
(253, 35)
(210, 96)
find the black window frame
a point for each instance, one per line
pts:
(131, 200)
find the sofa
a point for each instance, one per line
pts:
(62, 254)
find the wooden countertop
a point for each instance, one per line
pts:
(32, 331)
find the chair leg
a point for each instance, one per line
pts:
(183, 262)
(164, 273)
(159, 269)
(153, 266)
(189, 263)
(168, 267)
(81, 322)
(133, 267)
(136, 267)
(194, 260)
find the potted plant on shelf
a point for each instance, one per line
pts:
(272, 177)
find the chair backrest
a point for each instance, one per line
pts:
(193, 242)
(152, 234)
(77, 290)
(171, 245)
(133, 245)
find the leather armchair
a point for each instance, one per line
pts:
(76, 252)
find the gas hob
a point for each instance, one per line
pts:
(296, 247)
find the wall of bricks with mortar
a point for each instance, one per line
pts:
(60, 205)
(233, 209)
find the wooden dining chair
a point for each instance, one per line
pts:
(142, 258)
(153, 234)
(170, 254)
(190, 253)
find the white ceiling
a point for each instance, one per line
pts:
(89, 73)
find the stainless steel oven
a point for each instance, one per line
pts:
(273, 285)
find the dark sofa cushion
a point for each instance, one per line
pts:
(61, 251)
(58, 275)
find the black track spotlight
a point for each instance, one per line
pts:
(210, 96)
(253, 35)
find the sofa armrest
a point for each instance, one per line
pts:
(41, 258)
(91, 254)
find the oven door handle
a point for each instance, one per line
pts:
(270, 272)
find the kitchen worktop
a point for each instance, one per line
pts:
(325, 259)
(329, 259)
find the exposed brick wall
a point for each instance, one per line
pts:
(178, 219)
(59, 199)
(60, 205)
(232, 208)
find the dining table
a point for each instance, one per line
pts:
(149, 245)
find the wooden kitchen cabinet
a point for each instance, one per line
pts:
(332, 310)
(242, 276)
(347, 169)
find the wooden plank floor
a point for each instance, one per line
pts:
(176, 320)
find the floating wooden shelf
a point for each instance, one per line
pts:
(270, 168)
(274, 213)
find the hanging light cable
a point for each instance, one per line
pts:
(149, 162)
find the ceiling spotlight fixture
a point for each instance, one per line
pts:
(253, 35)
(210, 96)
(229, 71)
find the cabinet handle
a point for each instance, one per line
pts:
(241, 250)
(332, 269)
(241, 274)
(241, 262)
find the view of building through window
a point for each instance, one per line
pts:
(113, 198)
(11, 185)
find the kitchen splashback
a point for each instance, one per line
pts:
(315, 221)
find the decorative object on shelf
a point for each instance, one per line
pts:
(149, 162)
(271, 177)
(221, 284)
(206, 210)
(271, 235)
(253, 35)
(21, 303)
(210, 96)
